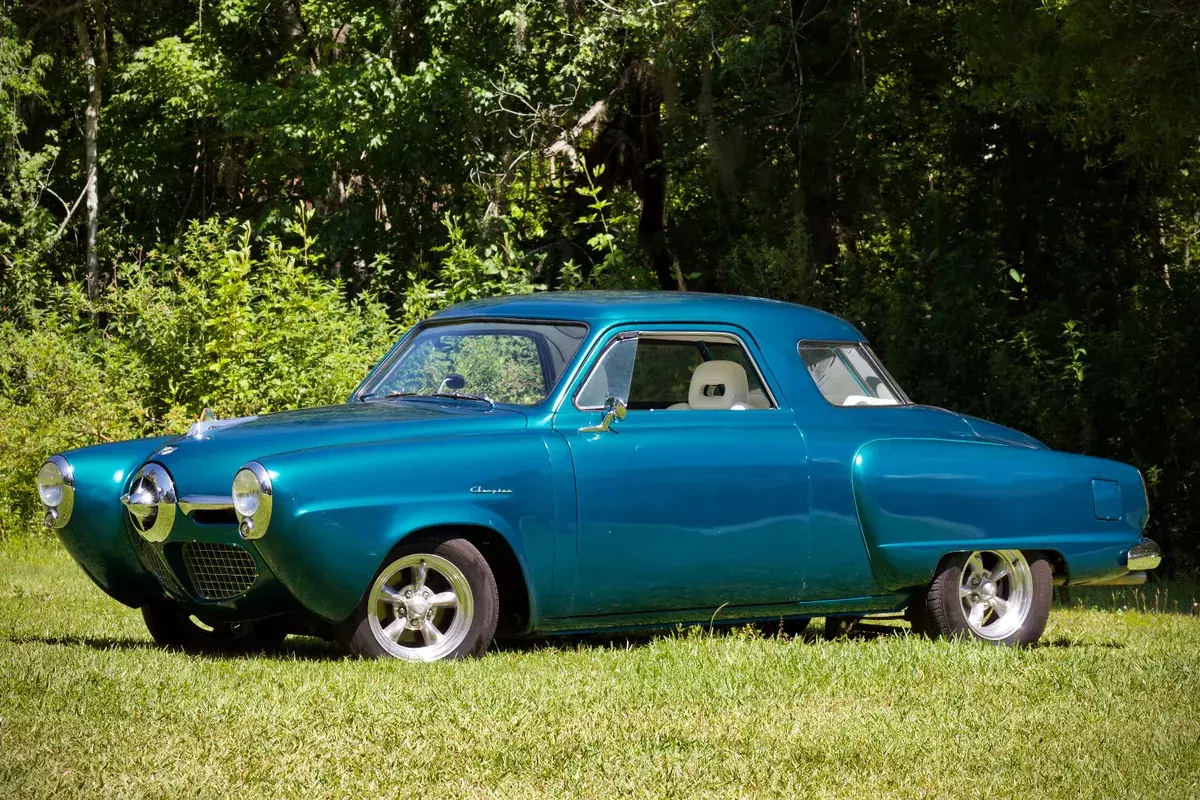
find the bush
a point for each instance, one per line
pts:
(207, 324)
(59, 388)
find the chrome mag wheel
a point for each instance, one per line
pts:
(420, 607)
(996, 592)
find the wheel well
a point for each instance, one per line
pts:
(1058, 564)
(510, 580)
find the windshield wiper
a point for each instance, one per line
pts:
(451, 395)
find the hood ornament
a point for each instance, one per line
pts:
(208, 422)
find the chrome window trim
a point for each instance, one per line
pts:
(638, 334)
(870, 356)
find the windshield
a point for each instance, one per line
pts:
(504, 362)
(850, 375)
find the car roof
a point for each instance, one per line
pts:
(604, 308)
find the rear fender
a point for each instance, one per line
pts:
(919, 499)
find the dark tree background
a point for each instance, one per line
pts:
(1002, 194)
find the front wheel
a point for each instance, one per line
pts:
(997, 596)
(435, 599)
(171, 625)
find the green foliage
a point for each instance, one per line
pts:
(465, 273)
(217, 322)
(217, 325)
(61, 386)
(1004, 196)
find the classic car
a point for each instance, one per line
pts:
(579, 462)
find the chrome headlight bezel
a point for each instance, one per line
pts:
(252, 499)
(56, 474)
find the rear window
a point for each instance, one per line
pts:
(849, 375)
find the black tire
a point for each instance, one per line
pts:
(358, 637)
(945, 616)
(171, 625)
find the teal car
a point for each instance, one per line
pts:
(580, 462)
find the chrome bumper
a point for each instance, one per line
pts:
(1142, 556)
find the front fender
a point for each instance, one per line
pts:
(95, 535)
(339, 511)
(919, 499)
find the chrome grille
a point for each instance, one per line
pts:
(218, 571)
(152, 559)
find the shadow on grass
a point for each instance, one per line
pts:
(307, 648)
(296, 648)
(628, 640)
(1065, 642)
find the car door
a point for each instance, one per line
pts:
(683, 507)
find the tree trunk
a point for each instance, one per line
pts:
(651, 184)
(95, 62)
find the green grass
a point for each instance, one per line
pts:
(1109, 707)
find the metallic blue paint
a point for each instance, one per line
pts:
(804, 509)
(96, 535)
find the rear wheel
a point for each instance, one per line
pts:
(434, 599)
(998, 596)
(171, 625)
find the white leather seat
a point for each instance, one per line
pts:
(704, 394)
(758, 399)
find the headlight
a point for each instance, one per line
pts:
(56, 489)
(247, 496)
(50, 484)
(252, 500)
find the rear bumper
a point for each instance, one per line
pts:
(1143, 556)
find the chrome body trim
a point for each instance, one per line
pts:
(255, 525)
(205, 502)
(150, 502)
(1143, 555)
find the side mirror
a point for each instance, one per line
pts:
(614, 409)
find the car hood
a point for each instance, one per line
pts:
(206, 464)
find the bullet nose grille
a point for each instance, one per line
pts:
(153, 560)
(218, 571)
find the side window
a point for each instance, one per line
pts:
(676, 372)
(662, 373)
(847, 376)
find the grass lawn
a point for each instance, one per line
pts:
(1108, 707)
